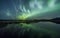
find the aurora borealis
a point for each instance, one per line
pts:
(37, 9)
(31, 9)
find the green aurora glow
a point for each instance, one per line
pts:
(39, 12)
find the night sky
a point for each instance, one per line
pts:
(31, 9)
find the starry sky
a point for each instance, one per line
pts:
(32, 9)
(14, 8)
